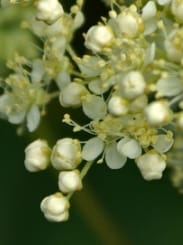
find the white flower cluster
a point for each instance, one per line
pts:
(129, 85)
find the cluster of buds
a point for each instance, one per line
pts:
(129, 85)
(64, 157)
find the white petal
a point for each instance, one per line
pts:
(169, 86)
(92, 149)
(163, 143)
(113, 159)
(94, 107)
(33, 118)
(129, 147)
(63, 79)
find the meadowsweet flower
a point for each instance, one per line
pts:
(49, 10)
(66, 154)
(55, 207)
(117, 105)
(157, 113)
(132, 85)
(71, 95)
(37, 156)
(129, 22)
(151, 165)
(98, 37)
(69, 181)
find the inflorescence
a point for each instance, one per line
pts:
(129, 85)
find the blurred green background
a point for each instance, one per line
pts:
(114, 208)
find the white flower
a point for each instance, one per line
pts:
(98, 37)
(129, 22)
(71, 95)
(151, 165)
(70, 181)
(92, 149)
(129, 148)
(37, 156)
(157, 113)
(49, 10)
(117, 106)
(177, 9)
(132, 85)
(66, 154)
(55, 207)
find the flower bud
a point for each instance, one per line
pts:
(157, 113)
(70, 181)
(130, 22)
(98, 37)
(151, 165)
(37, 156)
(66, 154)
(71, 95)
(55, 207)
(117, 106)
(49, 10)
(133, 85)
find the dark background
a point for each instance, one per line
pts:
(114, 208)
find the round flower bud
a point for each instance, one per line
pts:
(71, 95)
(49, 10)
(157, 113)
(151, 165)
(37, 156)
(117, 106)
(98, 37)
(70, 181)
(129, 22)
(55, 207)
(173, 45)
(133, 85)
(66, 154)
(177, 9)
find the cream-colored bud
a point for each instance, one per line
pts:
(157, 113)
(133, 85)
(151, 165)
(55, 207)
(49, 10)
(37, 156)
(130, 23)
(71, 95)
(98, 37)
(70, 181)
(117, 106)
(66, 154)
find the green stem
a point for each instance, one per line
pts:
(84, 171)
